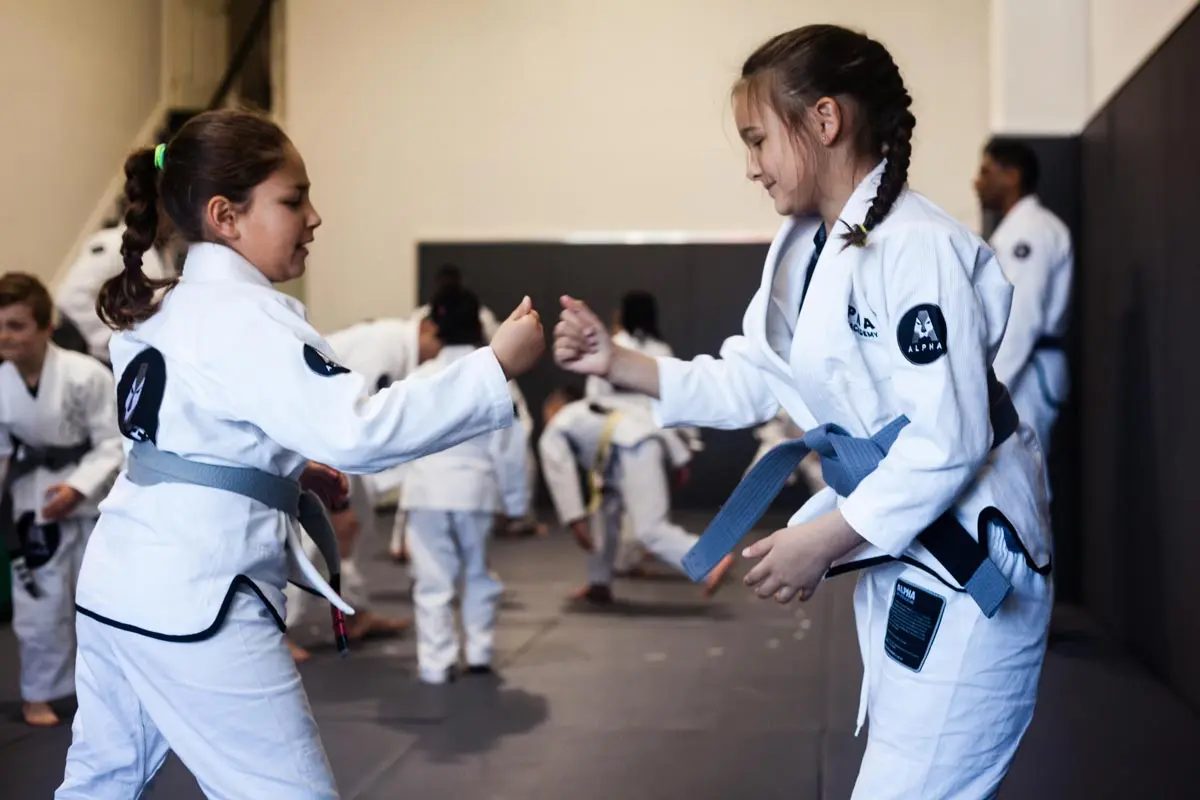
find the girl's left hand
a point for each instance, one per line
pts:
(327, 483)
(795, 559)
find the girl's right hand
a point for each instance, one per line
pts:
(519, 341)
(581, 342)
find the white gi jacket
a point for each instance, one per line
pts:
(485, 473)
(247, 383)
(1034, 248)
(381, 350)
(74, 403)
(906, 325)
(99, 260)
(573, 438)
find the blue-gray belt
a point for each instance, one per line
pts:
(845, 461)
(147, 466)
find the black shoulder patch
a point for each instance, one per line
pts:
(921, 334)
(140, 396)
(321, 365)
(1022, 250)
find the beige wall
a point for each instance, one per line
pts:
(78, 80)
(1124, 34)
(482, 119)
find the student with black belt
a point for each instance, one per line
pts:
(1034, 249)
(60, 451)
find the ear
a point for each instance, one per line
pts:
(827, 117)
(221, 217)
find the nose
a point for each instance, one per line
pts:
(314, 219)
(753, 170)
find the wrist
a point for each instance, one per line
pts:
(840, 539)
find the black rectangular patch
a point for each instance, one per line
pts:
(912, 624)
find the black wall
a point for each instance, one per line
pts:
(1139, 294)
(702, 291)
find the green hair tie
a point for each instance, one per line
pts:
(160, 153)
(862, 228)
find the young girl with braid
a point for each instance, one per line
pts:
(880, 314)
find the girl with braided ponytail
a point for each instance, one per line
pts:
(875, 327)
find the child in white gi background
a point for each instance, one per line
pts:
(451, 499)
(624, 454)
(230, 401)
(879, 313)
(61, 451)
(383, 351)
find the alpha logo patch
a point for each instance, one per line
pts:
(1022, 250)
(921, 334)
(321, 365)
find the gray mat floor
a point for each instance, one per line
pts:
(666, 696)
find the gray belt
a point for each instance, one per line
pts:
(148, 466)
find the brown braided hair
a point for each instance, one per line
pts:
(799, 67)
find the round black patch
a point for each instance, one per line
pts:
(921, 334)
(140, 396)
(384, 382)
(1022, 250)
(321, 365)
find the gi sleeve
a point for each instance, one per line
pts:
(508, 449)
(1028, 268)
(275, 372)
(94, 474)
(939, 366)
(728, 393)
(561, 474)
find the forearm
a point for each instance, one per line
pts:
(635, 371)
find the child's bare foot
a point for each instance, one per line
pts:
(299, 654)
(40, 715)
(367, 623)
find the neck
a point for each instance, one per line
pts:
(840, 182)
(30, 369)
(1009, 201)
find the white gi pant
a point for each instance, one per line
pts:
(445, 545)
(951, 728)
(232, 707)
(354, 586)
(45, 625)
(639, 476)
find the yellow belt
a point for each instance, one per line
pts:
(596, 475)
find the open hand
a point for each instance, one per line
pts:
(60, 501)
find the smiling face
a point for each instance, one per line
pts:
(273, 229)
(783, 161)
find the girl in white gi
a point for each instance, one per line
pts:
(451, 499)
(383, 351)
(624, 453)
(904, 312)
(60, 452)
(223, 383)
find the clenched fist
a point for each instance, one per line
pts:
(519, 341)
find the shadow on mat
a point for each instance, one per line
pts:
(642, 608)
